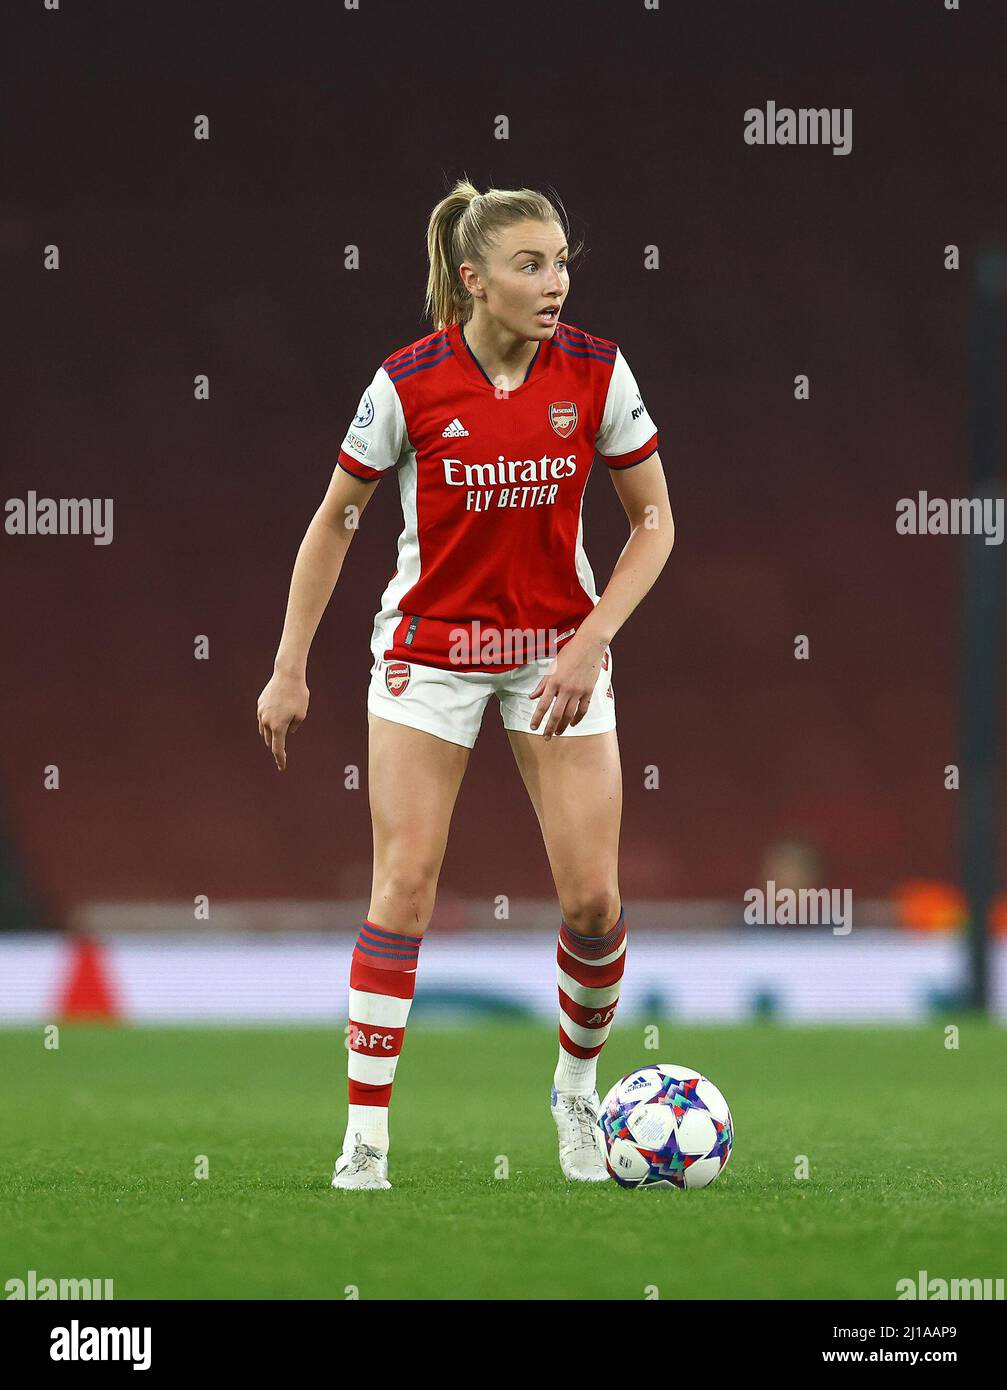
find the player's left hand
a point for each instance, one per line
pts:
(568, 685)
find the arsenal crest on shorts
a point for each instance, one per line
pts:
(563, 417)
(396, 677)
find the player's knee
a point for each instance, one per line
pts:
(591, 910)
(411, 885)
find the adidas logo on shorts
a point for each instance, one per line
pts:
(455, 430)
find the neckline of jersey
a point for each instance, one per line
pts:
(473, 368)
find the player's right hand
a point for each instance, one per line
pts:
(282, 708)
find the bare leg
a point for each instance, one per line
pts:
(413, 780)
(575, 785)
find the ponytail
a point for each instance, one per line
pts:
(463, 227)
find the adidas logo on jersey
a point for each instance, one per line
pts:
(455, 430)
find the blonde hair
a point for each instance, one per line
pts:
(463, 227)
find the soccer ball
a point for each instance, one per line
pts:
(665, 1126)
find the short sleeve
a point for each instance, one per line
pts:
(627, 435)
(376, 438)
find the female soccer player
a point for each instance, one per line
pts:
(491, 424)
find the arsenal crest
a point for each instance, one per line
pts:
(563, 418)
(396, 677)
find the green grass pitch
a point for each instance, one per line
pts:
(100, 1138)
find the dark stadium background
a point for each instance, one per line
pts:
(226, 257)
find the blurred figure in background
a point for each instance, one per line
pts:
(790, 863)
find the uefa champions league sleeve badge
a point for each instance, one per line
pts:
(365, 412)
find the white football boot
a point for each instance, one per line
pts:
(581, 1151)
(364, 1169)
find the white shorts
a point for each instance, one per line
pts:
(450, 704)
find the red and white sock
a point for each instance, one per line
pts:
(382, 981)
(589, 973)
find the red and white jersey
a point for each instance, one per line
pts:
(492, 487)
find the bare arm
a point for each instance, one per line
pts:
(316, 569)
(643, 491)
(283, 705)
